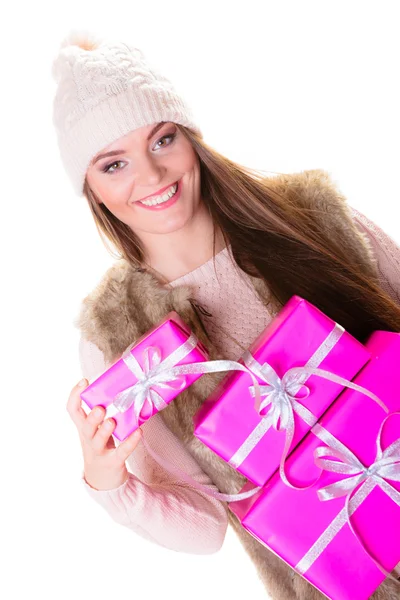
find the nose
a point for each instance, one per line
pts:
(148, 171)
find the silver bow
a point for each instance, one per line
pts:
(280, 393)
(167, 373)
(155, 372)
(386, 466)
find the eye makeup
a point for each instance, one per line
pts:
(106, 168)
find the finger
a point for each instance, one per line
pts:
(102, 435)
(127, 446)
(74, 407)
(92, 422)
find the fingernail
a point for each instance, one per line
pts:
(82, 382)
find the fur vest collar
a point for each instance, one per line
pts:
(128, 302)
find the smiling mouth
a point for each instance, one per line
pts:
(170, 192)
(163, 204)
(152, 198)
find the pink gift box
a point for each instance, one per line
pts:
(228, 417)
(312, 535)
(168, 335)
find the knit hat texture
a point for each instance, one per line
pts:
(105, 90)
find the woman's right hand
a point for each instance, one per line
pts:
(104, 463)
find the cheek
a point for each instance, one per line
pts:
(117, 192)
(185, 160)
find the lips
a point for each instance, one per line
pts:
(159, 193)
(163, 205)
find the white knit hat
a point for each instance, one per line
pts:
(105, 90)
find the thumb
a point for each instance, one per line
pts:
(126, 447)
(73, 406)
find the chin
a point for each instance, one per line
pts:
(175, 224)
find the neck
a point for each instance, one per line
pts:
(177, 253)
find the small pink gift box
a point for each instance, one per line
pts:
(170, 338)
(313, 535)
(299, 335)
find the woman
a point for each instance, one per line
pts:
(223, 246)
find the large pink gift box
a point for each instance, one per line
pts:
(162, 340)
(311, 534)
(300, 334)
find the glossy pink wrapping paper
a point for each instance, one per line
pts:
(168, 335)
(228, 416)
(291, 522)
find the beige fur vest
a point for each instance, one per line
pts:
(128, 302)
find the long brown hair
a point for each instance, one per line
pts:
(273, 238)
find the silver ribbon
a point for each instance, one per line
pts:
(167, 374)
(280, 397)
(195, 484)
(386, 466)
(156, 372)
(243, 495)
(164, 372)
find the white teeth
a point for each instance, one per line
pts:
(161, 199)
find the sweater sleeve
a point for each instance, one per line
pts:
(153, 502)
(386, 251)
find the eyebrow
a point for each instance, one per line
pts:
(114, 152)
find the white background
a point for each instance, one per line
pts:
(276, 85)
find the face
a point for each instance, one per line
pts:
(146, 163)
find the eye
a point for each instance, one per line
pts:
(108, 167)
(170, 136)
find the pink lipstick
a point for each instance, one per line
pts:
(166, 204)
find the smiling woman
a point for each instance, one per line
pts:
(226, 251)
(155, 192)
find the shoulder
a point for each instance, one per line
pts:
(330, 216)
(125, 304)
(386, 253)
(314, 188)
(319, 203)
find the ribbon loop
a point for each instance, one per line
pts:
(155, 372)
(386, 466)
(279, 394)
(166, 373)
(282, 400)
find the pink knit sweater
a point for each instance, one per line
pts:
(152, 502)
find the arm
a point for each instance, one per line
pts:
(386, 251)
(151, 502)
